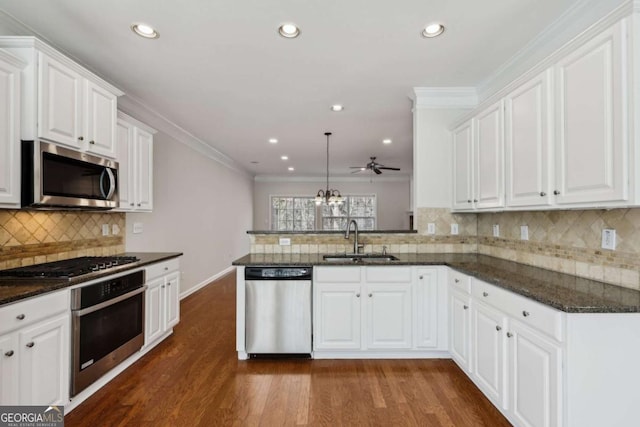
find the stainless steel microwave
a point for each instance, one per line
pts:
(57, 177)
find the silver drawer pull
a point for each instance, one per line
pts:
(9, 353)
(485, 294)
(421, 277)
(20, 316)
(509, 334)
(30, 344)
(498, 328)
(456, 280)
(370, 295)
(465, 307)
(526, 313)
(357, 295)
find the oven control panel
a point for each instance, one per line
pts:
(106, 290)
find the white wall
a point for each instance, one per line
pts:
(392, 196)
(201, 208)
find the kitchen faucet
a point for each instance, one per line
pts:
(356, 246)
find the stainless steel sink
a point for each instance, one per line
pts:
(356, 258)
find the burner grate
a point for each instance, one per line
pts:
(68, 268)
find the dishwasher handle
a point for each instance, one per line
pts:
(278, 273)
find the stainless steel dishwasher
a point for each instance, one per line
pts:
(278, 310)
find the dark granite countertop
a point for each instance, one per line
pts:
(12, 290)
(564, 292)
(332, 232)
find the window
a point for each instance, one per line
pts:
(292, 213)
(360, 208)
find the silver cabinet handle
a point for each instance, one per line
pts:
(166, 268)
(30, 344)
(20, 316)
(475, 200)
(509, 334)
(162, 286)
(542, 194)
(81, 138)
(498, 328)
(357, 295)
(9, 353)
(456, 280)
(465, 307)
(556, 192)
(138, 204)
(469, 201)
(169, 284)
(370, 295)
(526, 313)
(421, 277)
(485, 294)
(92, 142)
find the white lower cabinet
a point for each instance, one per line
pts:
(374, 309)
(162, 300)
(459, 328)
(34, 344)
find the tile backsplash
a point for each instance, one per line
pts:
(29, 237)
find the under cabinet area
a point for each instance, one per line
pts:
(135, 157)
(162, 300)
(34, 345)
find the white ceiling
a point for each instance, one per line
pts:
(221, 71)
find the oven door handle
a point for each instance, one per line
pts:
(78, 313)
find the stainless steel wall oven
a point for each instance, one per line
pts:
(107, 326)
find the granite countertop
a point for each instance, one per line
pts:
(12, 290)
(564, 292)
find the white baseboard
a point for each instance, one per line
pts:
(207, 281)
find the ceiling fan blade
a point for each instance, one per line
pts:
(357, 167)
(388, 168)
(377, 171)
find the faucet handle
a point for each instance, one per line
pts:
(384, 250)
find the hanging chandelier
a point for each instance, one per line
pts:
(328, 196)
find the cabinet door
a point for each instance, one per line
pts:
(59, 103)
(528, 133)
(172, 300)
(100, 120)
(489, 174)
(126, 168)
(459, 325)
(488, 344)
(154, 307)
(9, 134)
(44, 362)
(534, 377)
(463, 166)
(144, 164)
(388, 315)
(426, 311)
(336, 316)
(8, 369)
(591, 157)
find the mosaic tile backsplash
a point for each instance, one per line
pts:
(29, 237)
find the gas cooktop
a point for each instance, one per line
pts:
(70, 268)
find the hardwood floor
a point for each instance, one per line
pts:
(194, 379)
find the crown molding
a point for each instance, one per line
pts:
(142, 112)
(444, 97)
(323, 179)
(12, 59)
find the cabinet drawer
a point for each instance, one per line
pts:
(337, 274)
(460, 281)
(388, 274)
(22, 313)
(546, 319)
(161, 268)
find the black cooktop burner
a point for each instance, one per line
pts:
(68, 268)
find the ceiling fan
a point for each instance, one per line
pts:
(373, 166)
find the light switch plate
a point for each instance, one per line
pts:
(524, 232)
(137, 227)
(115, 230)
(285, 241)
(105, 229)
(431, 228)
(496, 230)
(454, 229)
(609, 239)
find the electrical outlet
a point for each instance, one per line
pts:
(496, 230)
(609, 239)
(115, 230)
(431, 228)
(454, 229)
(105, 229)
(285, 241)
(524, 232)
(137, 227)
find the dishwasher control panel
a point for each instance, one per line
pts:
(279, 273)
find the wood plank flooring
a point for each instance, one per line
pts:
(194, 379)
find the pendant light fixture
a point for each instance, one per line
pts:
(328, 196)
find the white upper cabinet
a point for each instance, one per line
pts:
(528, 140)
(489, 176)
(10, 69)
(62, 101)
(463, 166)
(591, 146)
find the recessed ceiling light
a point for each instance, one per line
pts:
(386, 141)
(284, 157)
(290, 169)
(337, 107)
(289, 31)
(273, 141)
(433, 30)
(144, 30)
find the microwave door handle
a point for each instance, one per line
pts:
(112, 183)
